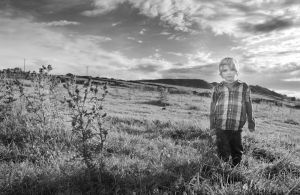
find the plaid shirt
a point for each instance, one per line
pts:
(231, 107)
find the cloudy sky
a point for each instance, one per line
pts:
(150, 39)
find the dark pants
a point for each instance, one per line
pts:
(229, 143)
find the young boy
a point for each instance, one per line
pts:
(230, 108)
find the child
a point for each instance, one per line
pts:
(230, 108)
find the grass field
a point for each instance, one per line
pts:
(151, 148)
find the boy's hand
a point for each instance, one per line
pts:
(251, 129)
(213, 134)
(212, 131)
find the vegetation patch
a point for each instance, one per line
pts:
(283, 169)
(291, 121)
(157, 103)
(193, 108)
(264, 154)
(186, 134)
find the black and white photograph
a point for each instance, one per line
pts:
(142, 97)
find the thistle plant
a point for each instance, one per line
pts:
(87, 117)
(40, 101)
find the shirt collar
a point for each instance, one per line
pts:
(234, 83)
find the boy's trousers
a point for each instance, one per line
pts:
(229, 143)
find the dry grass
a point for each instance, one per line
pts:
(150, 150)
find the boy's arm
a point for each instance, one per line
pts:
(251, 121)
(213, 108)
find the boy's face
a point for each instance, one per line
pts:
(228, 74)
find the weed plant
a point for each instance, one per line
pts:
(87, 116)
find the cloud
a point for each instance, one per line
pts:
(116, 23)
(134, 39)
(199, 58)
(297, 79)
(70, 53)
(271, 52)
(210, 68)
(198, 65)
(195, 16)
(143, 31)
(146, 68)
(290, 93)
(46, 6)
(165, 33)
(241, 20)
(221, 17)
(178, 64)
(67, 53)
(248, 69)
(177, 38)
(173, 13)
(175, 53)
(208, 72)
(131, 38)
(143, 68)
(288, 68)
(102, 7)
(61, 23)
(268, 25)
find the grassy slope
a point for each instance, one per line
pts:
(151, 150)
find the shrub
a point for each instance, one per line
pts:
(163, 96)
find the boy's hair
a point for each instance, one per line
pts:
(232, 63)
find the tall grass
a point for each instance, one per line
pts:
(64, 146)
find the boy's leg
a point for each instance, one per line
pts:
(236, 147)
(223, 146)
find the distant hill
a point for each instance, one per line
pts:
(196, 83)
(267, 92)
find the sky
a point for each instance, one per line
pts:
(154, 39)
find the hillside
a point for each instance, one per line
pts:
(195, 86)
(197, 83)
(264, 91)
